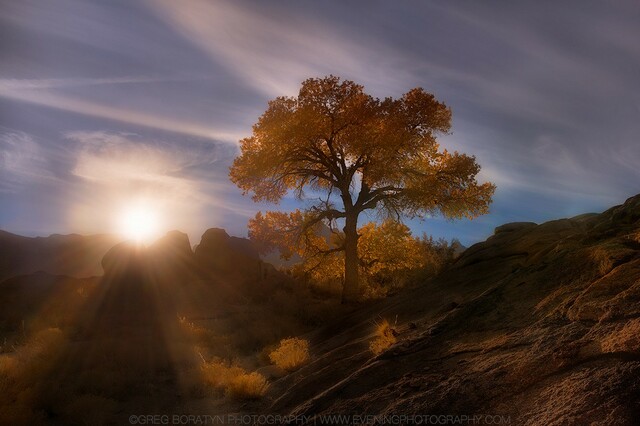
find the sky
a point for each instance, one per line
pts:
(109, 104)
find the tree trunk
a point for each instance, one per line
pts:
(350, 291)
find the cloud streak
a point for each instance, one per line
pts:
(119, 170)
(11, 84)
(22, 92)
(22, 161)
(272, 50)
(545, 96)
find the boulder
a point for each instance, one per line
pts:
(174, 243)
(514, 226)
(172, 252)
(124, 258)
(225, 255)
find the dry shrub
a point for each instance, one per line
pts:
(291, 354)
(235, 381)
(217, 373)
(385, 337)
(35, 357)
(208, 339)
(22, 373)
(247, 386)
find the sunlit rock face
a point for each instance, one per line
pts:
(222, 254)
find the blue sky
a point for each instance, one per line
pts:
(105, 103)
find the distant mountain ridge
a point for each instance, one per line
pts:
(73, 255)
(81, 256)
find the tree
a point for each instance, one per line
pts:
(388, 247)
(361, 153)
(317, 247)
(389, 256)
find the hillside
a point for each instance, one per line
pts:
(539, 323)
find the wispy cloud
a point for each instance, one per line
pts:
(24, 92)
(23, 161)
(114, 171)
(127, 166)
(273, 52)
(10, 84)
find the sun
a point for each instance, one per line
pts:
(139, 222)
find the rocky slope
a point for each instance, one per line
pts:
(539, 324)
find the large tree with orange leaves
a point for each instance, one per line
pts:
(361, 153)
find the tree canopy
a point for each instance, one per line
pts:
(361, 153)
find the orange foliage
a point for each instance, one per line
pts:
(291, 354)
(389, 247)
(368, 153)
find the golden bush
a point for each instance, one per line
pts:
(385, 337)
(247, 386)
(291, 354)
(235, 381)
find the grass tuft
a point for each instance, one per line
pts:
(385, 337)
(291, 354)
(235, 381)
(247, 386)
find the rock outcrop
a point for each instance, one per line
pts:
(172, 259)
(129, 294)
(160, 275)
(124, 259)
(173, 246)
(539, 324)
(230, 256)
